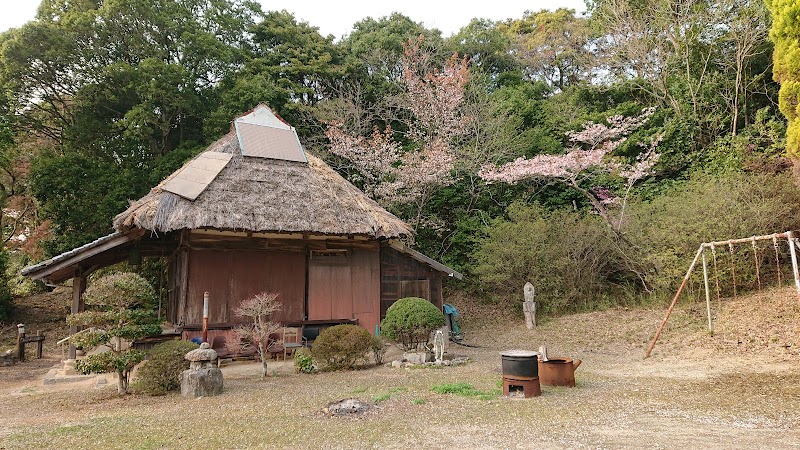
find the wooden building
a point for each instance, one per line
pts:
(255, 213)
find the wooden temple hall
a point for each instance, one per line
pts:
(255, 213)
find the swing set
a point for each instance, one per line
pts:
(791, 240)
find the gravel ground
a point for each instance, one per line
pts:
(739, 388)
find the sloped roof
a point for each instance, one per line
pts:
(266, 195)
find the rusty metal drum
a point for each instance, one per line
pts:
(558, 371)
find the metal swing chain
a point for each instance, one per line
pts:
(716, 273)
(777, 260)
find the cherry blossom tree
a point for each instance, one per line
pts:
(592, 148)
(433, 120)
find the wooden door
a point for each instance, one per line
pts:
(330, 294)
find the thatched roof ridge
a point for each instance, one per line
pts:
(266, 195)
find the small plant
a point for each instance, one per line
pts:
(464, 390)
(162, 372)
(378, 349)
(418, 401)
(120, 311)
(303, 361)
(342, 346)
(410, 321)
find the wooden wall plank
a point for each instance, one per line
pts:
(233, 276)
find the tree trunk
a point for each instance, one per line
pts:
(262, 353)
(795, 159)
(122, 382)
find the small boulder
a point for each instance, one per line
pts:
(347, 407)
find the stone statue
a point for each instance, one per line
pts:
(529, 306)
(438, 346)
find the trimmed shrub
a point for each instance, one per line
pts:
(378, 349)
(342, 346)
(410, 321)
(162, 372)
(121, 290)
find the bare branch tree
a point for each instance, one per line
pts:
(260, 309)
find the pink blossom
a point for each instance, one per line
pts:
(601, 140)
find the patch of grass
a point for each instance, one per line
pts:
(382, 398)
(418, 401)
(428, 366)
(359, 391)
(388, 395)
(464, 390)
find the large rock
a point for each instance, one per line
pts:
(205, 382)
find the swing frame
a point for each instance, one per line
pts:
(791, 240)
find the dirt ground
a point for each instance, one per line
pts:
(737, 388)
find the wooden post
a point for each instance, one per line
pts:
(708, 294)
(674, 300)
(733, 268)
(183, 288)
(21, 342)
(39, 344)
(78, 286)
(792, 242)
(205, 317)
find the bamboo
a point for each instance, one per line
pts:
(749, 239)
(675, 300)
(705, 284)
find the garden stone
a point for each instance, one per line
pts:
(202, 379)
(99, 349)
(416, 357)
(397, 363)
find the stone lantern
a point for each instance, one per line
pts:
(203, 378)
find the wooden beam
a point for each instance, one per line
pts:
(183, 286)
(78, 286)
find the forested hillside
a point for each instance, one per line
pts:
(589, 154)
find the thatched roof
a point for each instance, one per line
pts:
(266, 195)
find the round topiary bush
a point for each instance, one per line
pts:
(342, 346)
(120, 290)
(410, 321)
(162, 372)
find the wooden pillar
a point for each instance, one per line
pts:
(183, 285)
(708, 294)
(78, 286)
(790, 237)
